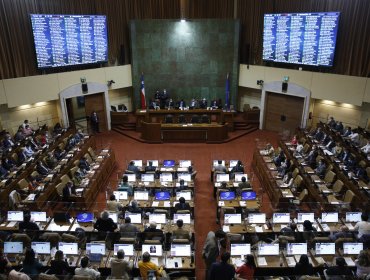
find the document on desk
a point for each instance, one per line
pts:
(11, 224)
(167, 204)
(155, 204)
(221, 203)
(155, 260)
(350, 226)
(261, 261)
(258, 229)
(242, 203)
(320, 260)
(226, 228)
(238, 261)
(291, 261)
(349, 261)
(31, 197)
(325, 227)
(174, 263)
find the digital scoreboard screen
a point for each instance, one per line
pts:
(65, 40)
(301, 38)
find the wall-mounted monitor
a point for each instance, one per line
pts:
(300, 38)
(66, 40)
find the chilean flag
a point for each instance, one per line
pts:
(142, 92)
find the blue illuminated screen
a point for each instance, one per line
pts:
(227, 195)
(162, 196)
(168, 163)
(300, 38)
(247, 195)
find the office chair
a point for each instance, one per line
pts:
(194, 119)
(168, 119)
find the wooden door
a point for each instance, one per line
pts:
(70, 113)
(96, 102)
(283, 112)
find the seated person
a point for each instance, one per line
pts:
(279, 158)
(84, 165)
(59, 266)
(150, 167)
(193, 104)
(170, 104)
(321, 169)
(42, 169)
(57, 129)
(127, 229)
(51, 161)
(294, 140)
(120, 268)
(133, 168)
(181, 186)
(84, 270)
(27, 225)
(339, 127)
(238, 167)
(244, 184)
(268, 151)
(69, 191)
(105, 223)
(181, 104)
(145, 265)
(28, 150)
(153, 104)
(214, 104)
(31, 265)
(134, 208)
(180, 233)
(8, 143)
(58, 153)
(342, 233)
(152, 228)
(3, 172)
(303, 266)
(8, 163)
(366, 148)
(125, 186)
(284, 167)
(113, 204)
(331, 122)
(203, 103)
(182, 205)
(340, 269)
(18, 137)
(27, 131)
(363, 227)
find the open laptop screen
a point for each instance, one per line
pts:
(147, 177)
(130, 177)
(141, 195)
(180, 250)
(68, 248)
(215, 162)
(184, 176)
(153, 161)
(85, 217)
(353, 217)
(169, 163)
(222, 178)
(325, 248)
(15, 216)
(127, 248)
(238, 177)
(152, 249)
(162, 196)
(186, 195)
(185, 163)
(265, 249)
(38, 216)
(352, 248)
(120, 195)
(296, 248)
(301, 217)
(41, 247)
(95, 248)
(113, 216)
(184, 217)
(227, 195)
(248, 195)
(13, 247)
(135, 217)
(157, 218)
(329, 217)
(138, 162)
(240, 249)
(232, 219)
(281, 218)
(165, 177)
(257, 218)
(233, 162)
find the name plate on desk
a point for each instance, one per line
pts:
(174, 263)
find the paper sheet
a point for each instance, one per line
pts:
(258, 229)
(155, 203)
(171, 263)
(226, 228)
(291, 261)
(167, 204)
(261, 261)
(11, 224)
(349, 261)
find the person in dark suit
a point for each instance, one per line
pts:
(345, 155)
(104, 223)
(180, 233)
(181, 104)
(22, 157)
(238, 167)
(321, 169)
(83, 164)
(214, 104)
(8, 164)
(311, 158)
(340, 268)
(8, 142)
(3, 172)
(132, 167)
(42, 169)
(153, 104)
(303, 266)
(27, 225)
(182, 205)
(203, 103)
(170, 104)
(211, 249)
(222, 270)
(94, 122)
(319, 135)
(69, 191)
(150, 167)
(193, 104)
(58, 153)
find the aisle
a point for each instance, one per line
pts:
(201, 155)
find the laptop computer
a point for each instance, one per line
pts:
(15, 216)
(238, 177)
(331, 217)
(186, 218)
(152, 249)
(353, 217)
(248, 195)
(281, 218)
(127, 248)
(186, 195)
(12, 248)
(85, 217)
(162, 196)
(95, 251)
(301, 217)
(184, 176)
(180, 250)
(113, 216)
(215, 162)
(265, 249)
(184, 163)
(41, 247)
(38, 216)
(130, 177)
(233, 162)
(240, 249)
(168, 163)
(135, 217)
(141, 195)
(227, 195)
(154, 162)
(296, 248)
(159, 218)
(138, 162)
(121, 195)
(325, 248)
(147, 177)
(68, 248)
(256, 218)
(222, 178)
(165, 177)
(352, 248)
(232, 219)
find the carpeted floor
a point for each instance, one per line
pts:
(201, 156)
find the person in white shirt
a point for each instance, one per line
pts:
(84, 270)
(363, 227)
(366, 148)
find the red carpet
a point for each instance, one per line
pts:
(201, 155)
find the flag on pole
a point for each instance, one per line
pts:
(227, 91)
(142, 92)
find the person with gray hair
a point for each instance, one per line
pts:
(120, 268)
(152, 228)
(104, 223)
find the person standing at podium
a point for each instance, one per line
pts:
(94, 122)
